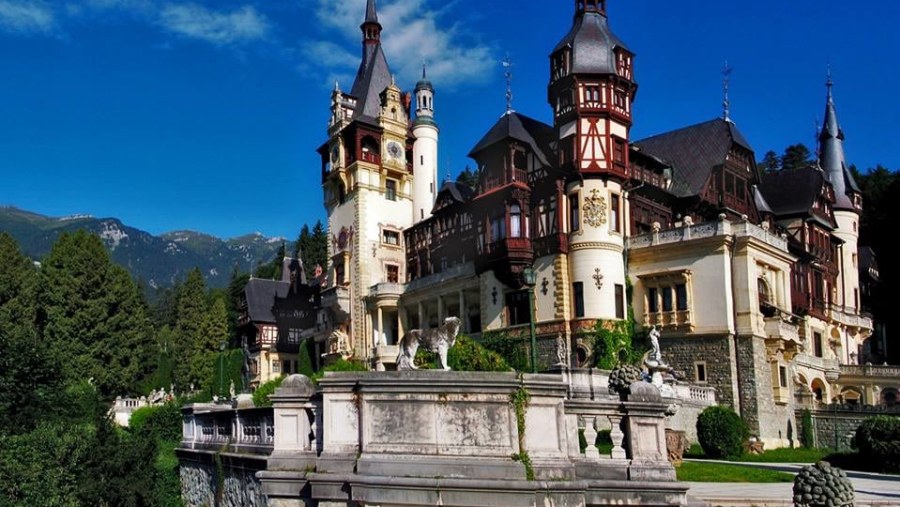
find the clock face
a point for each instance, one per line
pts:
(394, 149)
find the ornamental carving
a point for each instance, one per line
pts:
(595, 210)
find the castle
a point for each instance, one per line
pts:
(752, 279)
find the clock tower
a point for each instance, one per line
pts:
(367, 181)
(591, 92)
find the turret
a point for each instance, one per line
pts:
(425, 151)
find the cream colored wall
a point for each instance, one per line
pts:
(849, 275)
(425, 181)
(710, 288)
(545, 304)
(491, 312)
(597, 247)
(752, 262)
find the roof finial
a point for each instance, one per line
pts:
(507, 66)
(829, 81)
(726, 81)
(371, 12)
(424, 65)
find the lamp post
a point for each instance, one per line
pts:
(530, 277)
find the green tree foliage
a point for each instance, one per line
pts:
(213, 334)
(27, 374)
(514, 351)
(769, 163)
(227, 369)
(236, 286)
(796, 156)
(879, 438)
(721, 432)
(190, 319)
(469, 177)
(312, 248)
(263, 392)
(94, 318)
(807, 432)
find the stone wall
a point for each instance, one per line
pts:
(200, 485)
(835, 427)
(682, 352)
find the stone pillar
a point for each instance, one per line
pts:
(645, 434)
(294, 416)
(440, 315)
(380, 340)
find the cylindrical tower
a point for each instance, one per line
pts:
(425, 151)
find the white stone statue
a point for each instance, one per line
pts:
(562, 350)
(435, 340)
(231, 390)
(655, 353)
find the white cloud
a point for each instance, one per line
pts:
(26, 16)
(219, 28)
(413, 34)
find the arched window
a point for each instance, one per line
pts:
(515, 221)
(766, 302)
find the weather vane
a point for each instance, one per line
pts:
(726, 81)
(507, 66)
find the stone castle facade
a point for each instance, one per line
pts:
(751, 278)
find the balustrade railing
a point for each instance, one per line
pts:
(215, 426)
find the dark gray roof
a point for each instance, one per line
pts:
(791, 192)
(832, 157)
(261, 295)
(592, 44)
(512, 125)
(694, 151)
(762, 205)
(460, 192)
(371, 12)
(372, 78)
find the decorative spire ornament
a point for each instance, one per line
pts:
(507, 67)
(726, 81)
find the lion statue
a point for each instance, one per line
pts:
(435, 340)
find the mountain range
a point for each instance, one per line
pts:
(158, 261)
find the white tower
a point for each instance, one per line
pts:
(425, 151)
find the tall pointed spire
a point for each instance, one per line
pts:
(371, 28)
(831, 152)
(373, 75)
(371, 12)
(507, 71)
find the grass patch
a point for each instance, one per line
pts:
(787, 455)
(717, 472)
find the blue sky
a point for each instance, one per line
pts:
(205, 115)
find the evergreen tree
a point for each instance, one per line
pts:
(212, 338)
(189, 322)
(796, 156)
(233, 297)
(27, 378)
(303, 243)
(316, 253)
(468, 177)
(94, 318)
(769, 163)
(272, 270)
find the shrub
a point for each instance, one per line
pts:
(305, 364)
(160, 422)
(262, 393)
(807, 436)
(721, 432)
(514, 351)
(879, 438)
(465, 355)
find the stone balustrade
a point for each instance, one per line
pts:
(426, 437)
(849, 317)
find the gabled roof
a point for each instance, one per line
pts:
(261, 296)
(791, 192)
(694, 151)
(592, 44)
(512, 125)
(762, 205)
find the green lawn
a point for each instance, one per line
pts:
(786, 455)
(716, 472)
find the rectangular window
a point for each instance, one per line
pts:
(393, 273)
(653, 300)
(729, 183)
(578, 296)
(619, 151)
(700, 372)
(620, 301)
(817, 344)
(667, 299)
(517, 308)
(614, 213)
(390, 190)
(276, 366)
(782, 376)
(293, 335)
(390, 237)
(681, 303)
(574, 215)
(339, 272)
(286, 366)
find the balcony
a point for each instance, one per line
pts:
(830, 367)
(848, 317)
(778, 328)
(386, 290)
(669, 320)
(888, 374)
(337, 299)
